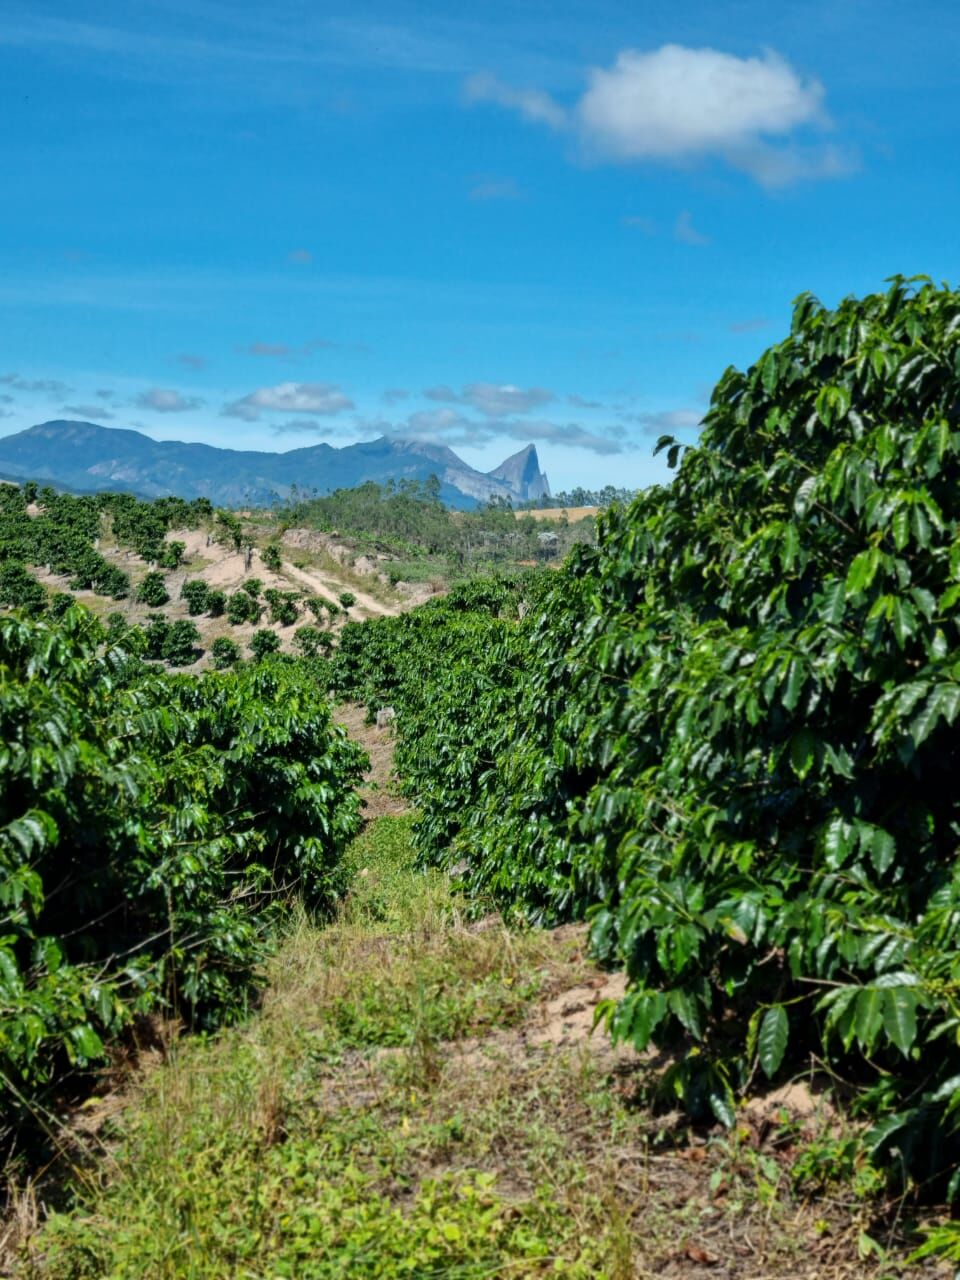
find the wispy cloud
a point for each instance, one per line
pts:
(45, 386)
(680, 105)
(493, 398)
(453, 427)
(283, 351)
(684, 232)
(300, 257)
(166, 400)
(667, 421)
(749, 326)
(322, 398)
(533, 104)
(192, 361)
(270, 350)
(640, 223)
(96, 413)
(306, 426)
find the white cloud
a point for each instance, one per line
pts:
(166, 400)
(532, 103)
(452, 427)
(494, 399)
(443, 393)
(290, 397)
(678, 102)
(680, 105)
(685, 232)
(667, 421)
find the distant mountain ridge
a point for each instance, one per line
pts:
(91, 458)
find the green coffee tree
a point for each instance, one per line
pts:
(153, 590)
(264, 642)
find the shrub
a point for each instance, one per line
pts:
(171, 555)
(311, 641)
(116, 625)
(152, 590)
(270, 555)
(178, 647)
(252, 586)
(243, 607)
(20, 590)
(264, 642)
(347, 599)
(60, 602)
(224, 652)
(228, 530)
(197, 595)
(155, 828)
(216, 603)
(111, 581)
(283, 606)
(155, 634)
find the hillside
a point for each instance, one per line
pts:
(89, 458)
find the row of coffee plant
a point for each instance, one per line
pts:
(728, 734)
(154, 828)
(62, 532)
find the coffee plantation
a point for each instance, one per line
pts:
(727, 734)
(154, 830)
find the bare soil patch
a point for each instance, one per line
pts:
(573, 514)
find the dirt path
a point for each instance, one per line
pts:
(381, 793)
(322, 585)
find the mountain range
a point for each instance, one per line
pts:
(88, 458)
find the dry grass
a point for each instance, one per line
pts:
(427, 1050)
(573, 514)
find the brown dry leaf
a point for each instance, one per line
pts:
(697, 1253)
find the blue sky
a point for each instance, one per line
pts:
(267, 225)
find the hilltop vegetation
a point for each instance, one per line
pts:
(420, 539)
